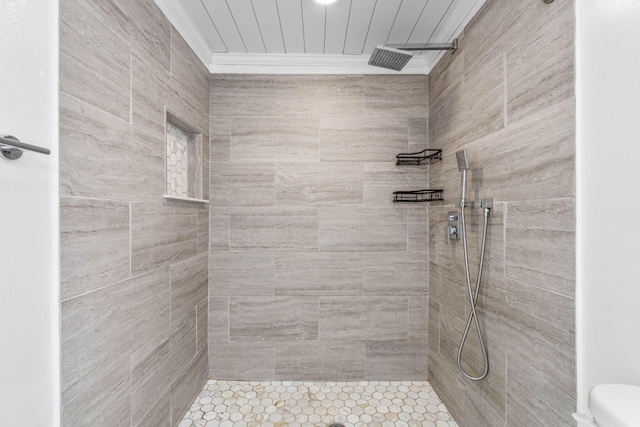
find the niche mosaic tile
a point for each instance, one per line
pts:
(317, 404)
(177, 162)
(183, 159)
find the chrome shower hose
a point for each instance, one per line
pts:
(473, 296)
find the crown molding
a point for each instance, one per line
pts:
(291, 63)
(179, 18)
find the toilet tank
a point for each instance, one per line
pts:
(615, 405)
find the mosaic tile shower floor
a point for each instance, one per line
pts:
(317, 404)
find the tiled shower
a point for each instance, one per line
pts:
(300, 267)
(314, 272)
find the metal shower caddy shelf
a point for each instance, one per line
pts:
(424, 157)
(418, 196)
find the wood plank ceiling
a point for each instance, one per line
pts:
(347, 27)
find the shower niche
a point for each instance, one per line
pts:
(183, 161)
(421, 158)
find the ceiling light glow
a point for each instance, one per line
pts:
(326, 1)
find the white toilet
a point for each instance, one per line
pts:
(612, 405)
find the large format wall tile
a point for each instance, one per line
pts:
(220, 139)
(108, 325)
(237, 273)
(202, 245)
(235, 95)
(529, 397)
(273, 318)
(125, 340)
(395, 360)
(218, 331)
(148, 92)
(474, 104)
(202, 324)
(363, 318)
(142, 25)
(242, 184)
(396, 273)
(540, 247)
(189, 285)
(244, 360)
(527, 171)
(318, 184)
(218, 229)
(161, 235)
(318, 273)
(418, 229)
(274, 139)
(381, 179)
(273, 229)
(396, 96)
(302, 184)
(368, 139)
(94, 245)
(89, 53)
(418, 134)
(319, 95)
(325, 360)
(531, 323)
(159, 415)
(189, 384)
(540, 67)
(506, 97)
(133, 168)
(107, 402)
(153, 371)
(359, 229)
(418, 318)
(188, 82)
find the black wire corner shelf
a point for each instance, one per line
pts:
(418, 196)
(424, 157)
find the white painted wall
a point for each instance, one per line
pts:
(29, 314)
(608, 89)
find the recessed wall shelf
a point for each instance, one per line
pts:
(185, 199)
(418, 196)
(184, 163)
(424, 157)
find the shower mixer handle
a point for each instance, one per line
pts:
(452, 229)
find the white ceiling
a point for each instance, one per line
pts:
(302, 36)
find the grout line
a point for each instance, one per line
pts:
(130, 87)
(506, 388)
(505, 89)
(144, 273)
(130, 239)
(504, 238)
(68, 95)
(131, 389)
(171, 52)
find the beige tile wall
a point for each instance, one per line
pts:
(315, 274)
(506, 96)
(134, 271)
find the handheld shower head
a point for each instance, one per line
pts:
(463, 166)
(463, 162)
